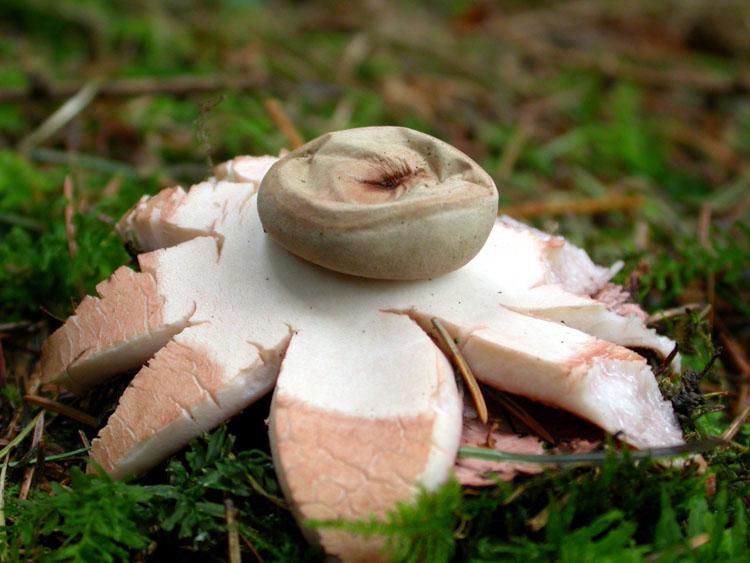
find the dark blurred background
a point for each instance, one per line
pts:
(546, 95)
(624, 126)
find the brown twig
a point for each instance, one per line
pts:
(520, 413)
(3, 373)
(265, 494)
(36, 442)
(3, 529)
(356, 51)
(129, 87)
(704, 227)
(61, 320)
(62, 116)
(587, 206)
(65, 410)
(490, 440)
(675, 312)
(251, 547)
(736, 352)
(70, 228)
(112, 187)
(667, 363)
(284, 123)
(235, 555)
(514, 146)
(464, 369)
(8, 327)
(721, 153)
(704, 237)
(737, 423)
(84, 439)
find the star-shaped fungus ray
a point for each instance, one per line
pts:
(365, 409)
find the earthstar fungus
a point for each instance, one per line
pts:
(365, 408)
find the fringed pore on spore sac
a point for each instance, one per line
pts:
(392, 173)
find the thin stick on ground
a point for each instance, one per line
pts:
(132, 87)
(38, 443)
(586, 206)
(704, 237)
(20, 437)
(262, 492)
(3, 531)
(84, 439)
(714, 149)
(737, 423)
(675, 312)
(739, 357)
(235, 555)
(3, 373)
(8, 327)
(284, 123)
(465, 370)
(63, 115)
(70, 228)
(520, 413)
(251, 547)
(666, 363)
(65, 410)
(514, 146)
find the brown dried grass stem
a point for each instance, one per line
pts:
(521, 414)
(3, 373)
(3, 531)
(738, 355)
(70, 228)
(284, 123)
(65, 410)
(514, 146)
(131, 87)
(64, 114)
(587, 206)
(235, 555)
(251, 547)
(714, 149)
(19, 437)
(675, 312)
(464, 370)
(38, 443)
(84, 439)
(737, 423)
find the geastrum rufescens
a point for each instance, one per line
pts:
(364, 236)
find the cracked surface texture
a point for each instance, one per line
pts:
(340, 466)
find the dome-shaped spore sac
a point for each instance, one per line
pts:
(379, 202)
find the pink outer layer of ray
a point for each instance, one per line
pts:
(339, 466)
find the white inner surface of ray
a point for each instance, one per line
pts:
(262, 291)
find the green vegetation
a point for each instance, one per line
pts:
(96, 519)
(597, 120)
